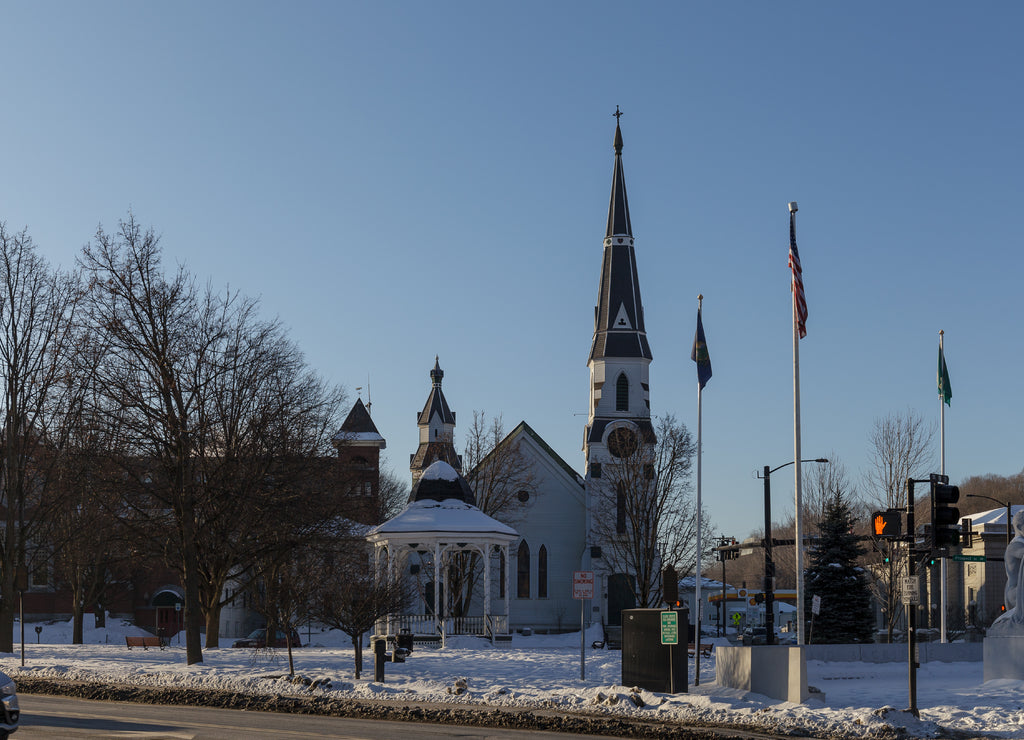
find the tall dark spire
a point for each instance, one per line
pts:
(618, 206)
(436, 403)
(619, 315)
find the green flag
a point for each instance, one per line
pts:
(945, 392)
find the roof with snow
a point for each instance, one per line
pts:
(359, 427)
(443, 517)
(440, 482)
(993, 516)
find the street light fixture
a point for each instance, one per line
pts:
(769, 562)
(1009, 513)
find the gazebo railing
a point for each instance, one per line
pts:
(424, 624)
(497, 624)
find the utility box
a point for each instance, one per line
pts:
(646, 662)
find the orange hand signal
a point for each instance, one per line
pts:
(879, 524)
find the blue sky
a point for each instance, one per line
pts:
(397, 180)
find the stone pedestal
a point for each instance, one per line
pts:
(778, 671)
(1004, 657)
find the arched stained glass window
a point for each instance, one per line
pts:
(523, 571)
(542, 572)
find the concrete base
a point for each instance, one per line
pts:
(1004, 657)
(778, 671)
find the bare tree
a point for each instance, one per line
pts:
(349, 597)
(822, 483)
(264, 452)
(37, 342)
(392, 496)
(159, 334)
(499, 474)
(1005, 489)
(901, 447)
(646, 516)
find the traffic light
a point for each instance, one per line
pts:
(945, 516)
(966, 533)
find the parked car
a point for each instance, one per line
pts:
(9, 699)
(755, 636)
(258, 639)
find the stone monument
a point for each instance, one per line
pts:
(1004, 640)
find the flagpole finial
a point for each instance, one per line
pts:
(941, 332)
(792, 206)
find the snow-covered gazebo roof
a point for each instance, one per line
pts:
(431, 517)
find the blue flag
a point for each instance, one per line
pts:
(700, 354)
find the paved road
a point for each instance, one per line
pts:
(58, 717)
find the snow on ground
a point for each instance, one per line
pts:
(861, 699)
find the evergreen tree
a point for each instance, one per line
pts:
(834, 575)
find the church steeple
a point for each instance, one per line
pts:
(619, 315)
(619, 353)
(618, 207)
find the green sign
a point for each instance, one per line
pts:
(969, 558)
(669, 628)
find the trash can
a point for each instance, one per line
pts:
(380, 647)
(404, 640)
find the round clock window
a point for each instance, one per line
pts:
(622, 442)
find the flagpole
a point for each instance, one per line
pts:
(942, 471)
(696, 598)
(942, 417)
(798, 534)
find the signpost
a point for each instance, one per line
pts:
(670, 637)
(911, 590)
(583, 589)
(669, 628)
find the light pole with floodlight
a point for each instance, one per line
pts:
(769, 562)
(1009, 514)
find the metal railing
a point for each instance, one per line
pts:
(426, 624)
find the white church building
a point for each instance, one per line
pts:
(527, 553)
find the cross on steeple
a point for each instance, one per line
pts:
(617, 114)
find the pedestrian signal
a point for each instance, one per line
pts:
(887, 524)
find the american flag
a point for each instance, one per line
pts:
(799, 299)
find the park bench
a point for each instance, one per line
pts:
(705, 649)
(143, 641)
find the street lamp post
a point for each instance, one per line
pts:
(769, 561)
(1009, 513)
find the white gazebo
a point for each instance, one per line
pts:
(441, 520)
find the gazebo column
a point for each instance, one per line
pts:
(437, 588)
(507, 554)
(392, 574)
(487, 589)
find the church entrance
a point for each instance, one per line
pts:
(620, 596)
(170, 617)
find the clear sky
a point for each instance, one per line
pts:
(397, 180)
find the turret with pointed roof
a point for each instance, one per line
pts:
(437, 429)
(359, 444)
